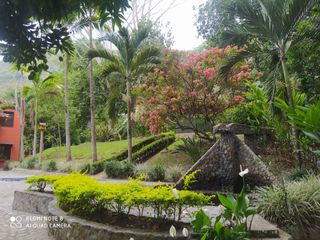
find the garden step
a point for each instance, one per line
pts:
(263, 229)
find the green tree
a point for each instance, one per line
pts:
(275, 22)
(132, 59)
(40, 87)
(30, 29)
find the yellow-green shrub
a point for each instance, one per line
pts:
(82, 195)
(40, 182)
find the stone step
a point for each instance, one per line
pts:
(263, 229)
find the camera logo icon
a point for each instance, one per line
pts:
(16, 222)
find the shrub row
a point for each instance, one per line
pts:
(83, 196)
(148, 151)
(98, 166)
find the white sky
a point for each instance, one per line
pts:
(182, 21)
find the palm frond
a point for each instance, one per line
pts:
(225, 69)
(113, 68)
(102, 53)
(146, 55)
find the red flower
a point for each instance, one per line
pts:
(238, 99)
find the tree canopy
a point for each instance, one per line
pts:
(30, 29)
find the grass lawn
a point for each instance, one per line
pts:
(171, 158)
(81, 154)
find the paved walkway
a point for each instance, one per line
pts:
(16, 230)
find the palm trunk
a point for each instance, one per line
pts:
(67, 115)
(41, 147)
(129, 130)
(294, 132)
(92, 100)
(22, 117)
(34, 151)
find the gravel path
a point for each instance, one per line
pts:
(15, 225)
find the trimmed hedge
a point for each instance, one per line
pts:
(84, 196)
(148, 151)
(99, 166)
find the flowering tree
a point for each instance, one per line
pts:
(188, 91)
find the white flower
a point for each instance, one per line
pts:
(243, 172)
(131, 238)
(173, 231)
(185, 232)
(175, 193)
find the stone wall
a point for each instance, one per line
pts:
(32, 202)
(74, 228)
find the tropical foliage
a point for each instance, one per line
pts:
(188, 91)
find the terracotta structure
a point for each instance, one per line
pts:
(9, 135)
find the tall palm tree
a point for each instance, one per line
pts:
(40, 87)
(133, 57)
(67, 107)
(275, 23)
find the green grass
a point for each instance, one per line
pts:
(171, 158)
(82, 154)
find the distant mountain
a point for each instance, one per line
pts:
(8, 77)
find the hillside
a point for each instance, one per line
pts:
(8, 77)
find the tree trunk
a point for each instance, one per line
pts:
(92, 99)
(129, 130)
(34, 150)
(22, 117)
(67, 113)
(41, 147)
(294, 131)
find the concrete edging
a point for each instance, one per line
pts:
(32, 202)
(75, 228)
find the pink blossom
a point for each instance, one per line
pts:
(208, 73)
(238, 99)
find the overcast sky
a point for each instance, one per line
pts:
(182, 20)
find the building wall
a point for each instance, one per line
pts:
(11, 135)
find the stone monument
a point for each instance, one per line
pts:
(220, 165)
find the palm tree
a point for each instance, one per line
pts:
(275, 22)
(66, 101)
(40, 87)
(132, 58)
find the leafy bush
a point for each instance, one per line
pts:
(75, 194)
(85, 168)
(117, 169)
(67, 169)
(190, 179)
(6, 165)
(298, 173)
(238, 114)
(294, 205)
(29, 163)
(157, 173)
(174, 174)
(50, 166)
(195, 148)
